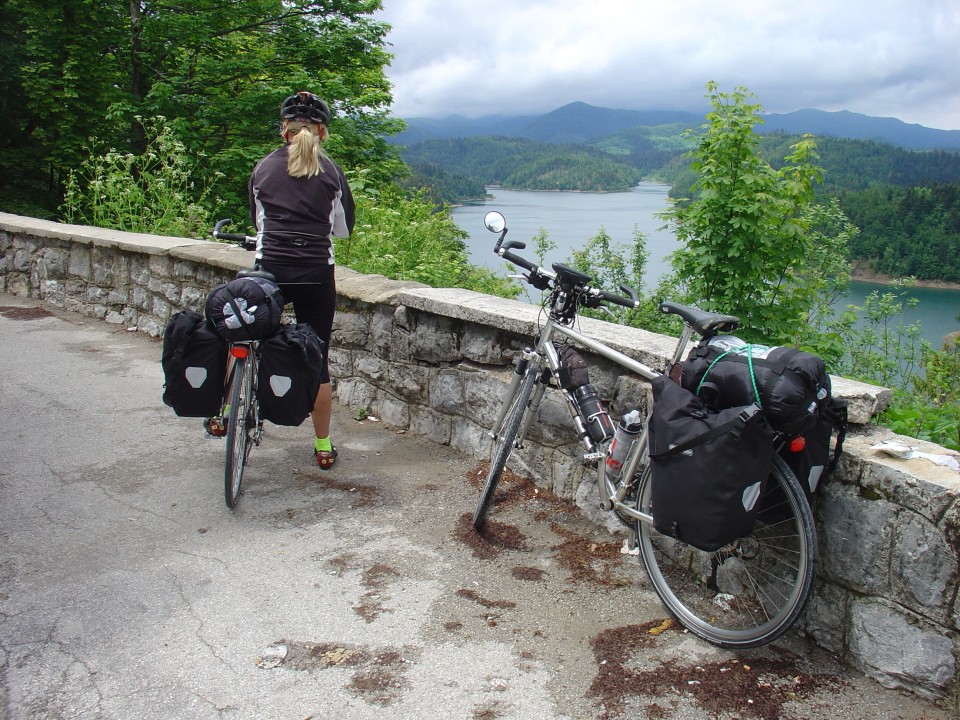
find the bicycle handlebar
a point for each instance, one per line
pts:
(244, 241)
(541, 278)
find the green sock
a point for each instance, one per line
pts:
(323, 444)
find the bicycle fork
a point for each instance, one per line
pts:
(531, 357)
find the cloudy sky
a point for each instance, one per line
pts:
(888, 58)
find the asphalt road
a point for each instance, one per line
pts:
(129, 590)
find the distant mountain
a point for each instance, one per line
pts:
(577, 122)
(582, 123)
(846, 124)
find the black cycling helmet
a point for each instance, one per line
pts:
(305, 106)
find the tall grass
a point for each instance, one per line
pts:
(153, 192)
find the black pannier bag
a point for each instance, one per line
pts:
(710, 468)
(811, 459)
(288, 377)
(194, 361)
(787, 383)
(246, 308)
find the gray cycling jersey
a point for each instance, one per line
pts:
(296, 217)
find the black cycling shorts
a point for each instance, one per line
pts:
(313, 292)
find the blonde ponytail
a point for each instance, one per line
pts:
(304, 151)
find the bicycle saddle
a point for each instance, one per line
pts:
(702, 321)
(256, 272)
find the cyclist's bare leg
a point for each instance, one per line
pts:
(322, 408)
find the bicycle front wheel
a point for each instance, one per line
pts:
(503, 440)
(239, 429)
(749, 592)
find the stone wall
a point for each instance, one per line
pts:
(434, 361)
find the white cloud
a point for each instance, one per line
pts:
(896, 58)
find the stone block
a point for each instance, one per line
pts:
(142, 299)
(435, 341)
(119, 296)
(193, 298)
(96, 295)
(394, 411)
(53, 292)
(825, 617)
(469, 438)
(483, 344)
(899, 652)
(408, 382)
(434, 426)
(340, 362)
(150, 326)
(80, 263)
(22, 261)
(483, 392)
(54, 262)
(447, 392)
(350, 329)
(387, 340)
(356, 394)
(856, 537)
(924, 567)
(372, 368)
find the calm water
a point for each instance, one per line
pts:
(571, 219)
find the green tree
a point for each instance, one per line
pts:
(747, 234)
(217, 69)
(613, 265)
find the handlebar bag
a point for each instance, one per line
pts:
(790, 385)
(246, 308)
(709, 468)
(288, 377)
(194, 361)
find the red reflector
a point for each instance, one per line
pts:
(241, 351)
(798, 444)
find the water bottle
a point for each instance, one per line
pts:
(594, 416)
(627, 430)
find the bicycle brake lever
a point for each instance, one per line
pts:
(539, 282)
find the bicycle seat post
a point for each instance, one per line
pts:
(682, 343)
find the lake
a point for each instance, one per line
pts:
(571, 219)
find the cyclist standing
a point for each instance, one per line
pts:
(299, 200)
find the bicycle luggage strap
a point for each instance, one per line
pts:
(742, 418)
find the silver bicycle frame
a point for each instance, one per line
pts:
(611, 496)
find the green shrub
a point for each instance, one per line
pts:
(405, 239)
(150, 193)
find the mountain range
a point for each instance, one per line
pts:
(579, 122)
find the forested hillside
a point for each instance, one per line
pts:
(526, 165)
(907, 230)
(905, 203)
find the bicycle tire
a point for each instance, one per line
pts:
(749, 592)
(503, 445)
(238, 430)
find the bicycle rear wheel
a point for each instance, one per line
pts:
(504, 437)
(241, 424)
(749, 592)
